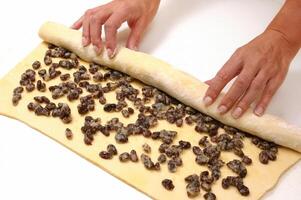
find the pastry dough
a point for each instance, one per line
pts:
(134, 174)
(177, 84)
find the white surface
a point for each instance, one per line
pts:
(195, 35)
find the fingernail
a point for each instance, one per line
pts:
(222, 109)
(84, 41)
(111, 53)
(259, 111)
(207, 100)
(135, 48)
(237, 113)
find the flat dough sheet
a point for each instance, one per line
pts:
(134, 174)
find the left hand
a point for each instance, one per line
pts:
(260, 67)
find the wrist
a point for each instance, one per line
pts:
(283, 41)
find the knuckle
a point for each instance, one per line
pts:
(269, 93)
(238, 52)
(89, 12)
(94, 19)
(109, 26)
(265, 72)
(240, 83)
(222, 76)
(257, 85)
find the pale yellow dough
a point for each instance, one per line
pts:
(177, 84)
(134, 174)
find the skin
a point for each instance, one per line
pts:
(259, 67)
(137, 13)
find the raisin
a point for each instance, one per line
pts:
(167, 184)
(133, 156)
(209, 196)
(105, 155)
(68, 134)
(146, 148)
(124, 157)
(112, 149)
(162, 158)
(36, 65)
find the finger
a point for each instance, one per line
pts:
(78, 24)
(267, 95)
(86, 28)
(231, 68)
(238, 88)
(86, 32)
(255, 89)
(95, 30)
(136, 34)
(111, 27)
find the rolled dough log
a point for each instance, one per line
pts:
(177, 84)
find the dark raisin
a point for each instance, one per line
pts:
(243, 190)
(146, 148)
(184, 144)
(30, 87)
(172, 166)
(201, 159)
(245, 159)
(64, 77)
(147, 162)
(133, 156)
(178, 161)
(167, 184)
(130, 110)
(47, 60)
(121, 138)
(206, 186)
(41, 86)
(68, 134)
(16, 98)
(193, 189)
(125, 113)
(197, 150)
(237, 167)
(209, 196)
(112, 149)
(110, 107)
(105, 155)
(191, 178)
(264, 157)
(124, 157)
(36, 65)
(162, 158)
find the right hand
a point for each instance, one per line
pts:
(137, 13)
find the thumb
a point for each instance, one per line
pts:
(136, 34)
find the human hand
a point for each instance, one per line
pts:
(260, 67)
(137, 13)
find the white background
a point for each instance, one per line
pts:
(195, 35)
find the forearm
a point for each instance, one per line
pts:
(288, 22)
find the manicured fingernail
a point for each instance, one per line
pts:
(84, 41)
(207, 100)
(222, 109)
(259, 111)
(111, 53)
(237, 112)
